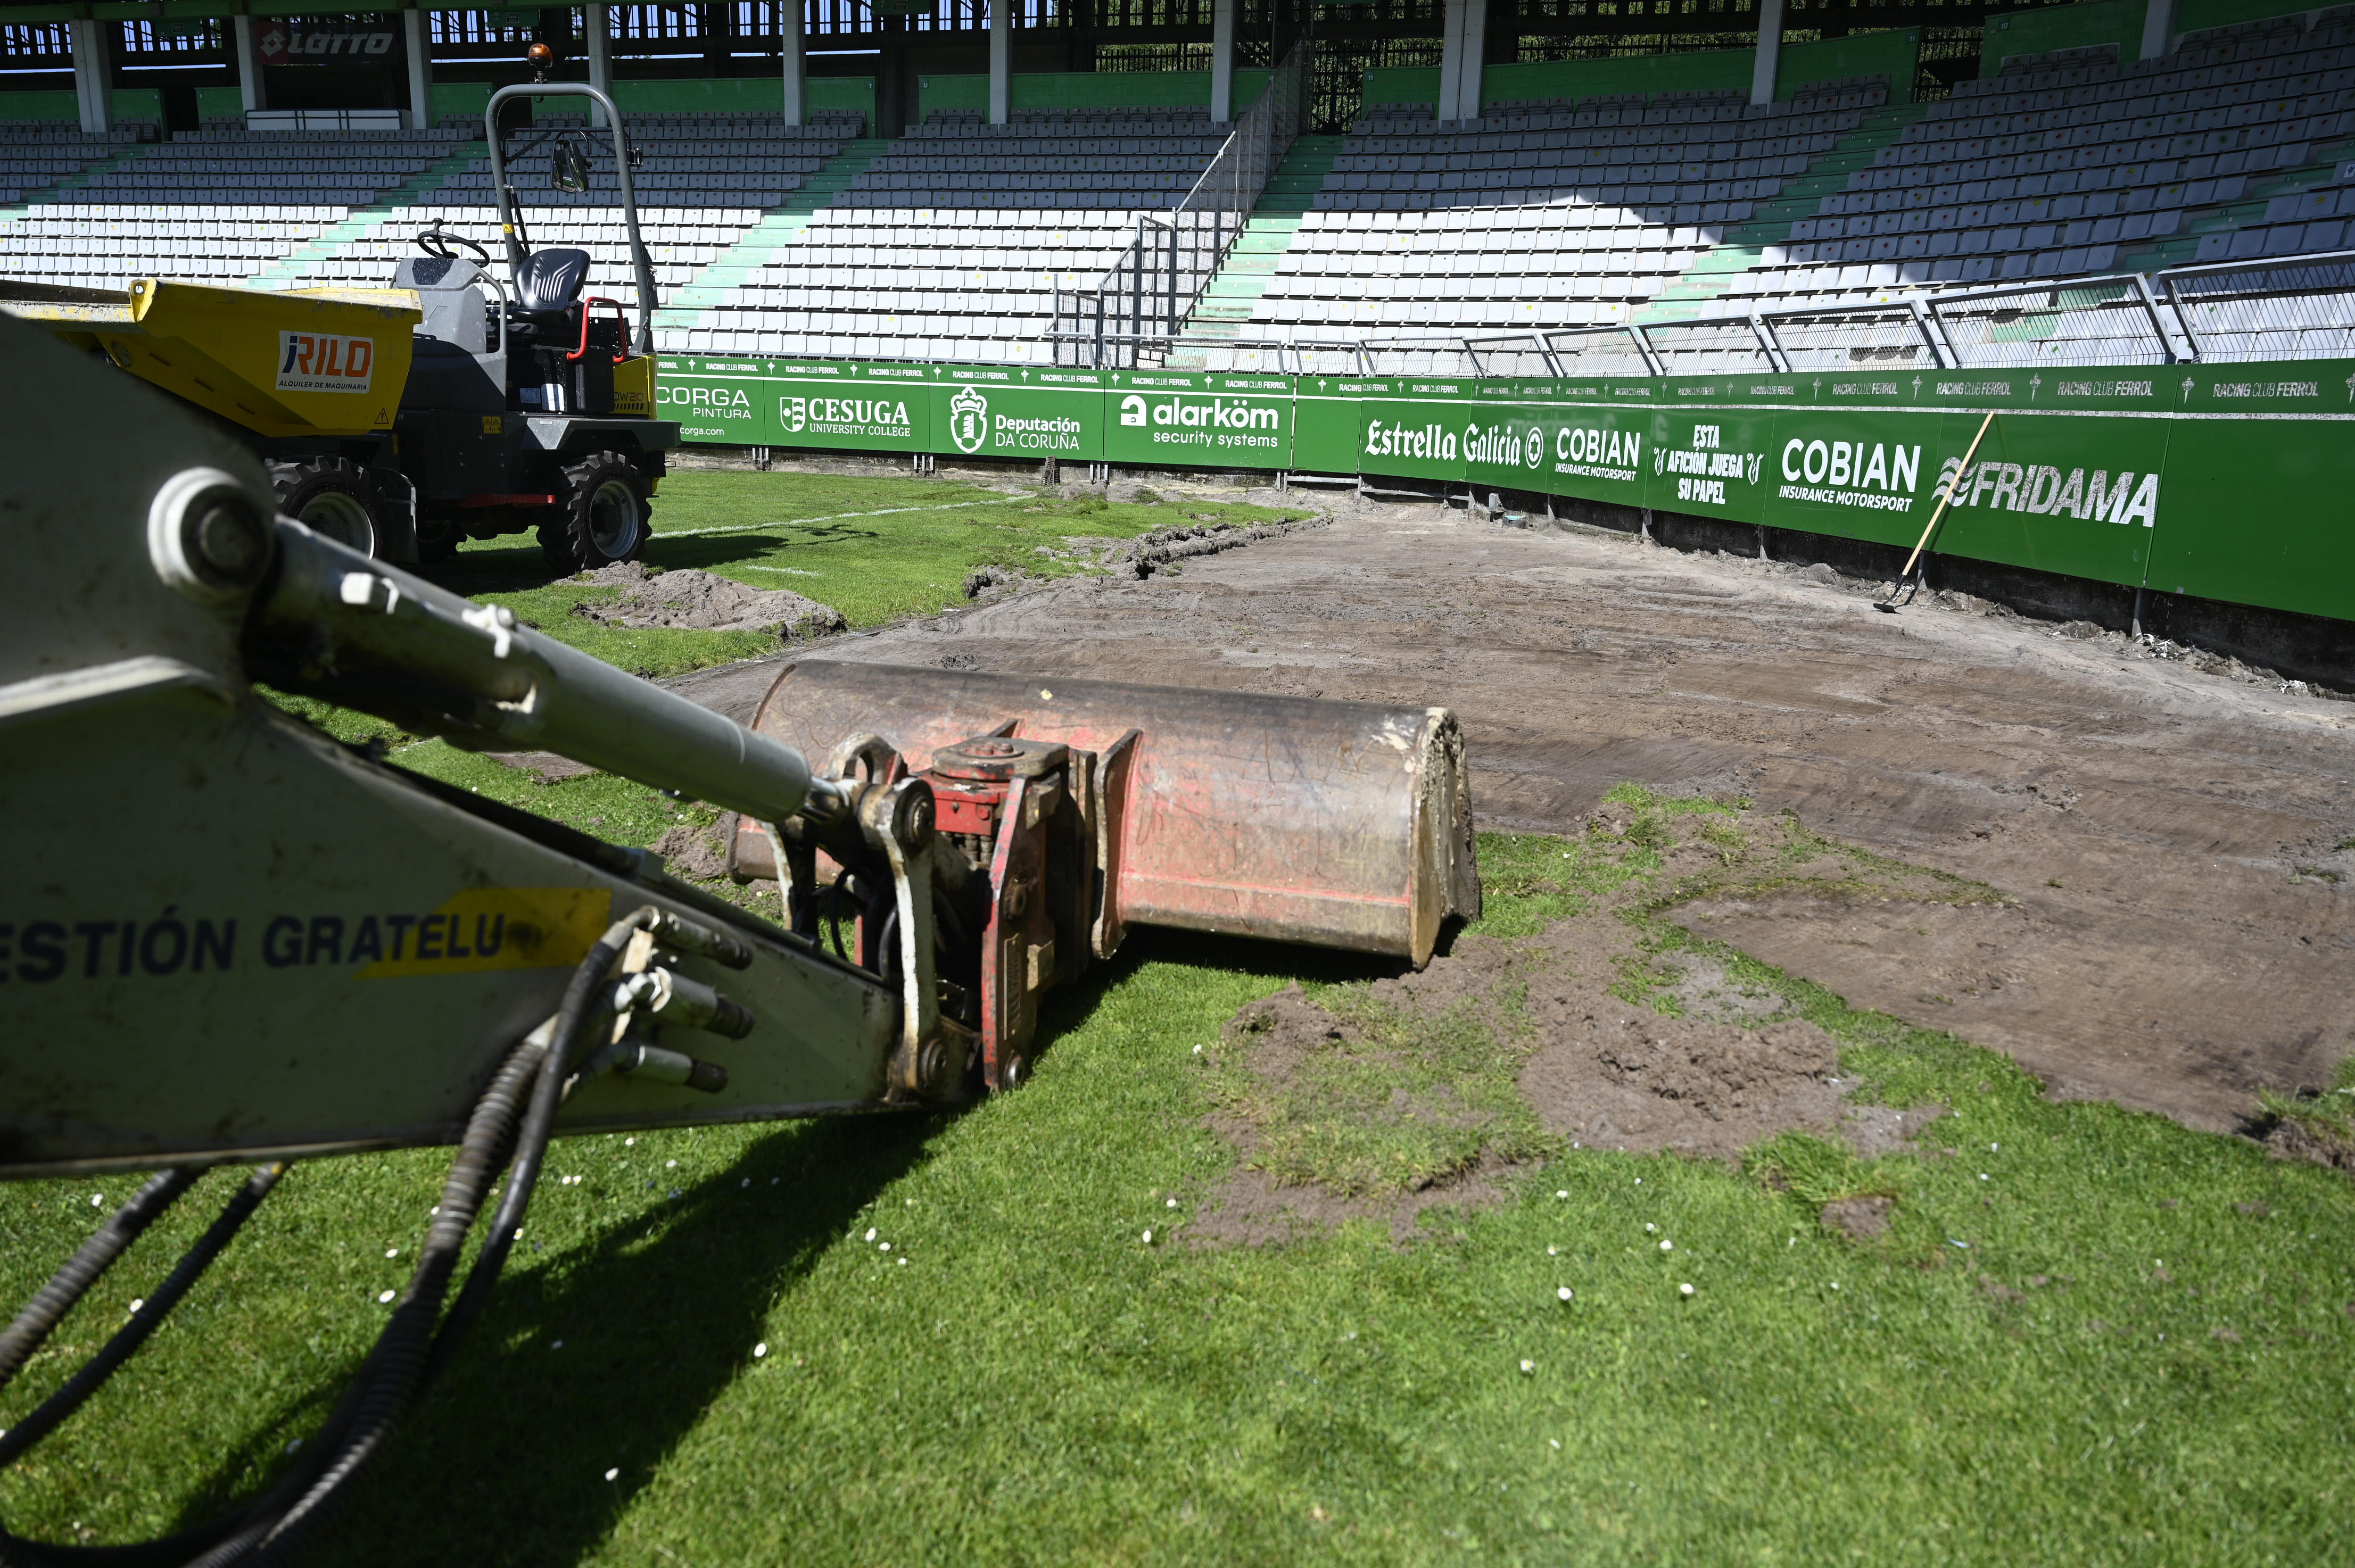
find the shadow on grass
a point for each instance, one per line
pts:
(504, 1461)
(505, 1458)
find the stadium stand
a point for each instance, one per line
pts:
(217, 205)
(705, 183)
(35, 156)
(2054, 169)
(1542, 216)
(952, 241)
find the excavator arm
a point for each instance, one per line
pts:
(227, 937)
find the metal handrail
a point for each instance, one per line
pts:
(1177, 256)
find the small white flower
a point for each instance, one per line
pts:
(626, 1143)
(1527, 1367)
(1561, 1193)
(137, 1302)
(883, 1246)
(614, 1475)
(1668, 1245)
(1834, 1285)
(1649, 1229)
(392, 1252)
(1148, 1238)
(672, 1165)
(1170, 1205)
(870, 1233)
(1983, 1175)
(746, 1182)
(1993, 1146)
(1562, 1294)
(384, 1298)
(1684, 1289)
(760, 1350)
(96, 1201)
(1554, 1251)
(1555, 1441)
(1197, 1050)
(904, 1260)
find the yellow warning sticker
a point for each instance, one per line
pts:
(486, 929)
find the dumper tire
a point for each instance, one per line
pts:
(332, 497)
(602, 516)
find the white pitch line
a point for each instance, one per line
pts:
(830, 517)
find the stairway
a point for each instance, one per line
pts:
(1224, 308)
(757, 247)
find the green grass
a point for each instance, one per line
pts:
(2090, 1335)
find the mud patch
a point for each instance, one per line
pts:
(693, 853)
(1875, 1130)
(1381, 1101)
(544, 767)
(1859, 1219)
(701, 601)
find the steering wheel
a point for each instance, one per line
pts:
(437, 242)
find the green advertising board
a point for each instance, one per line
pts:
(1199, 419)
(2230, 481)
(723, 401)
(1018, 411)
(857, 407)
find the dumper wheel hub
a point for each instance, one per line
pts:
(614, 519)
(341, 517)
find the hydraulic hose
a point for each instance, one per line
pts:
(279, 1527)
(414, 1361)
(143, 1322)
(80, 1272)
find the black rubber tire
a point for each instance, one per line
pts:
(333, 498)
(595, 527)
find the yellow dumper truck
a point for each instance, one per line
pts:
(452, 405)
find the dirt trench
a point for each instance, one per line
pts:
(2176, 847)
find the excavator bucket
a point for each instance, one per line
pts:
(1341, 824)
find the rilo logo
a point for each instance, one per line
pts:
(322, 362)
(969, 419)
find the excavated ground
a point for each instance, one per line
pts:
(2176, 845)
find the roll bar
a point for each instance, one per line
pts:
(640, 263)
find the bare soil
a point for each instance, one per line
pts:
(703, 601)
(2164, 837)
(1599, 1072)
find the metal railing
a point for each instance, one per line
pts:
(2295, 307)
(2290, 307)
(1144, 299)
